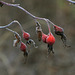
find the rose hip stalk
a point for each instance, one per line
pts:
(50, 39)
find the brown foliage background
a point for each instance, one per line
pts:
(61, 63)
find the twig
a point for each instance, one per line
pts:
(73, 2)
(14, 33)
(15, 21)
(34, 17)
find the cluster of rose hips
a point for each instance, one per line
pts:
(23, 46)
(49, 39)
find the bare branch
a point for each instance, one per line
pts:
(34, 17)
(73, 2)
(15, 21)
(16, 34)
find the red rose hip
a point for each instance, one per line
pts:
(50, 39)
(23, 47)
(26, 35)
(58, 30)
(44, 36)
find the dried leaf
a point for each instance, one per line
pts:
(39, 35)
(50, 49)
(64, 40)
(39, 31)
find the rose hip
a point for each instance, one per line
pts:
(26, 35)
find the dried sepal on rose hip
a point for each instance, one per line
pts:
(60, 31)
(38, 31)
(50, 40)
(1, 4)
(64, 39)
(18, 39)
(26, 53)
(26, 35)
(50, 49)
(30, 41)
(25, 56)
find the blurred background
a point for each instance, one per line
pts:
(12, 60)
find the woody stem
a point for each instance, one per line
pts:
(14, 32)
(15, 21)
(34, 17)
